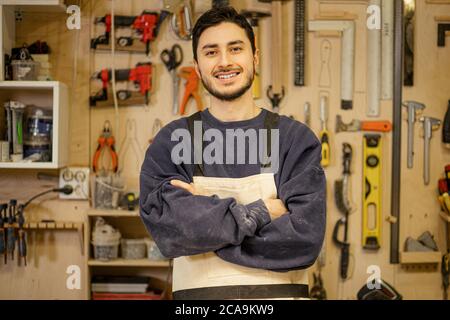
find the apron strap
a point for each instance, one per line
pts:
(198, 168)
(270, 122)
(266, 291)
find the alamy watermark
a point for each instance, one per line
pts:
(74, 20)
(241, 147)
(373, 21)
(374, 280)
(73, 281)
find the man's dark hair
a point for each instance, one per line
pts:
(216, 16)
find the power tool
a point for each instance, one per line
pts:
(141, 76)
(145, 28)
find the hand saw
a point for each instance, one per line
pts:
(371, 218)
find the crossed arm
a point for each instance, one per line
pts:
(275, 207)
(275, 234)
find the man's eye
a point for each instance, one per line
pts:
(210, 53)
(236, 49)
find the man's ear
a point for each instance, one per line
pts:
(197, 70)
(256, 57)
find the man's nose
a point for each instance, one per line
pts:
(225, 59)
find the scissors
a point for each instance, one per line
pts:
(172, 59)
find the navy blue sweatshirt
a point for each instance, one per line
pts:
(184, 224)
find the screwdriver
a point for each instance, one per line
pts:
(3, 208)
(10, 230)
(22, 245)
(324, 136)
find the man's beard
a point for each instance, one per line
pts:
(231, 95)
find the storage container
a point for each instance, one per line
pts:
(105, 240)
(25, 69)
(133, 248)
(153, 252)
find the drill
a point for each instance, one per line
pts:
(141, 76)
(146, 26)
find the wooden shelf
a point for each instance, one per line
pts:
(128, 263)
(112, 213)
(37, 5)
(44, 94)
(433, 257)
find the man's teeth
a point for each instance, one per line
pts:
(227, 76)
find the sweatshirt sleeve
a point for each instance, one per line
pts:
(294, 240)
(184, 224)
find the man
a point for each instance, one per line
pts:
(237, 228)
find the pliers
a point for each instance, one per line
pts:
(106, 139)
(191, 88)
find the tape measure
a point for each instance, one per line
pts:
(299, 43)
(371, 192)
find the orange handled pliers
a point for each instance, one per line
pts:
(191, 88)
(106, 140)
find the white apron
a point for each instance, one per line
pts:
(208, 270)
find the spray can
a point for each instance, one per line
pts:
(15, 128)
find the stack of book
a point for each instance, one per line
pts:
(123, 288)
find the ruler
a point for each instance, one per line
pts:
(299, 42)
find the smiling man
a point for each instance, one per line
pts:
(239, 228)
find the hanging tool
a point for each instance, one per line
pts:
(325, 72)
(140, 76)
(275, 98)
(347, 54)
(182, 20)
(429, 125)
(11, 229)
(3, 216)
(445, 205)
(387, 49)
(317, 290)
(172, 59)
(191, 88)
(106, 140)
(409, 19)
(446, 127)
(373, 67)
(22, 237)
(307, 113)
(130, 139)
(359, 125)
(299, 42)
(253, 17)
(371, 218)
(324, 135)
(157, 125)
(275, 92)
(145, 27)
(442, 29)
(341, 197)
(381, 290)
(394, 255)
(414, 109)
(445, 272)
